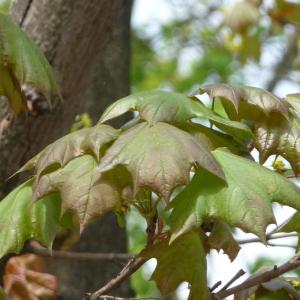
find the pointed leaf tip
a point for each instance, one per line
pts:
(248, 102)
(246, 202)
(159, 157)
(85, 192)
(21, 221)
(188, 255)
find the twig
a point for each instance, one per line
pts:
(215, 286)
(281, 245)
(105, 297)
(239, 274)
(278, 228)
(133, 265)
(292, 264)
(269, 237)
(76, 255)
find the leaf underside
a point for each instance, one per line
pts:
(20, 220)
(245, 102)
(83, 190)
(183, 260)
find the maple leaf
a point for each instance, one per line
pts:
(280, 136)
(83, 190)
(282, 139)
(25, 278)
(158, 156)
(222, 238)
(159, 106)
(215, 139)
(20, 220)
(22, 63)
(59, 153)
(245, 202)
(246, 102)
(183, 260)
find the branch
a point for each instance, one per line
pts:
(269, 237)
(239, 274)
(292, 264)
(215, 286)
(132, 266)
(281, 245)
(105, 297)
(76, 255)
(286, 60)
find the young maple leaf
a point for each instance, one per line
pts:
(21, 63)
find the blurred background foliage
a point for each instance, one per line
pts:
(218, 41)
(249, 42)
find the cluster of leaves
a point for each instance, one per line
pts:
(199, 180)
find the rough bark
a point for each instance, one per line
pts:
(87, 42)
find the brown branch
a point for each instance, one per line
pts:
(292, 264)
(105, 297)
(269, 237)
(281, 245)
(132, 266)
(76, 255)
(215, 286)
(239, 274)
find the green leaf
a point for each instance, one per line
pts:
(245, 202)
(215, 139)
(174, 108)
(275, 289)
(83, 190)
(87, 140)
(246, 102)
(155, 106)
(222, 238)
(10, 88)
(5, 6)
(21, 220)
(22, 63)
(183, 260)
(158, 156)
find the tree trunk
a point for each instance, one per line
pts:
(88, 44)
